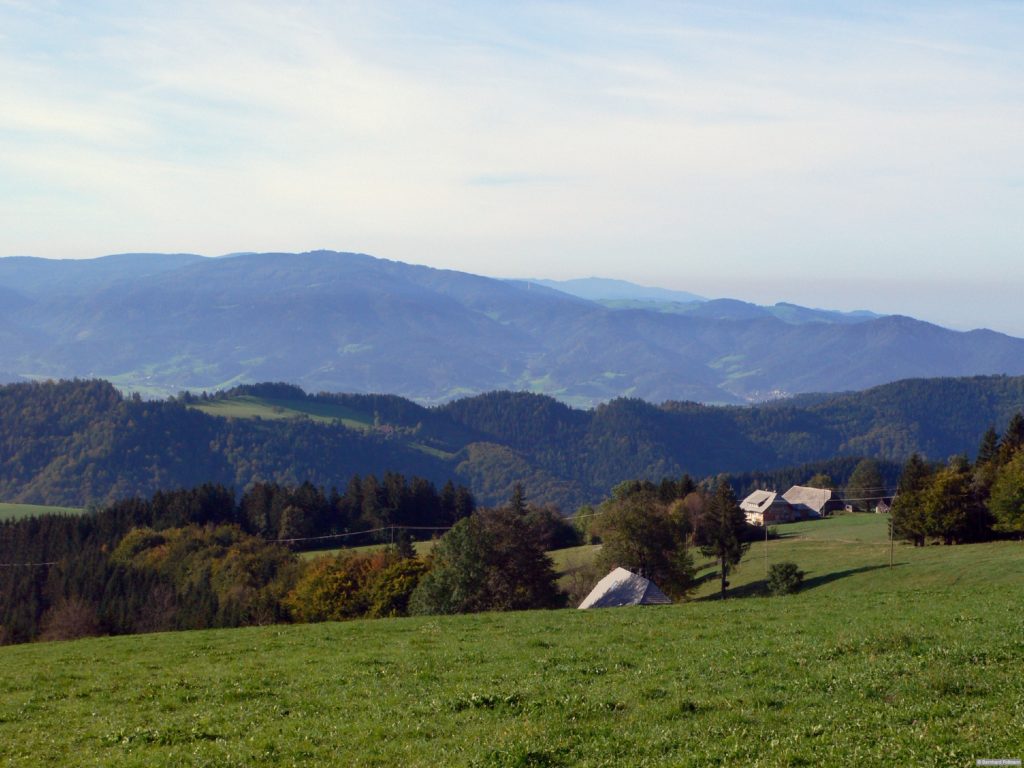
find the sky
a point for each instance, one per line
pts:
(843, 155)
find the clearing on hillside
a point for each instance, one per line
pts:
(16, 511)
(250, 407)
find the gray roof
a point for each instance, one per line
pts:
(758, 501)
(814, 499)
(622, 587)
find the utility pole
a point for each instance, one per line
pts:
(892, 525)
(890, 541)
(764, 522)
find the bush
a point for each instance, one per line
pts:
(70, 619)
(391, 588)
(332, 589)
(784, 578)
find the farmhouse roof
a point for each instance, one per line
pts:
(814, 499)
(622, 587)
(758, 501)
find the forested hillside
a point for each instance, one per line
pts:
(79, 442)
(82, 442)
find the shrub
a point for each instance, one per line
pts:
(352, 586)
(391, 588)
(70, 619)
(331, 589)
(784, 578)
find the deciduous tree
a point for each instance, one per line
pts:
(648, 537)
(1007, 499)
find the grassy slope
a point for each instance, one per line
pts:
(15, 511)
(248, 407)
(914, 666)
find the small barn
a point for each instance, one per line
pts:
(622, 587)
(762, 507)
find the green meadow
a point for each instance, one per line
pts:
(867, 666)
(250, 407)
(16, 511)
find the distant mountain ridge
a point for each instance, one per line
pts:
(598, 288)
(620, 294)
(333, 321)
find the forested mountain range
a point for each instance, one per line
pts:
(75, 442)
(159, 324)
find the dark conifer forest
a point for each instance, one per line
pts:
(77, 443)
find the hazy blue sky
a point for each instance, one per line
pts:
(836, 154)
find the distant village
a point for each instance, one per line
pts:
(798, 503)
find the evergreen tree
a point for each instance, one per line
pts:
(489, 561)
(1013, 438)
(989, 448)
(517, 503)
(446, 502)
(864, 488)
(725, 529)
(908, 519)
(403, 545)
(987, 465)
(464, 503)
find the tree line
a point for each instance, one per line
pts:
(963, 501)
(135, 554)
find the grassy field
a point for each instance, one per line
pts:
(15, 511)
(248, 407)
(918, 665)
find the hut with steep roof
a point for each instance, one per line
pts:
(622, 587)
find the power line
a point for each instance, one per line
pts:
(361, 533)
(27, 565)
(589, 514)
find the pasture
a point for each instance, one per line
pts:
(17, 511)
(250, 407)
(867, 666)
